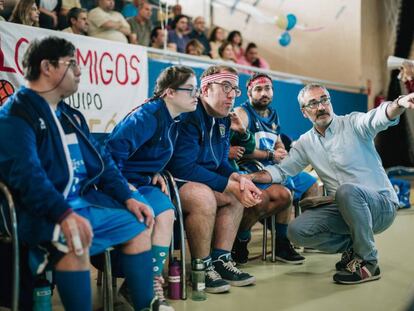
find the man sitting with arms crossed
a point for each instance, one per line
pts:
(342, 151)
(201, 155)
(72, 200)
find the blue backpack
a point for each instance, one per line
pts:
(402, 188)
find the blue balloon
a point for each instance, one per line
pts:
(284, 39)
(291, 21)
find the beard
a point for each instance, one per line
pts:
(262, 103)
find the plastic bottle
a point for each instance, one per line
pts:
(174, 280)
(42, 296)
(198, 278)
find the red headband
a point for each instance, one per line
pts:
(221, 75)
(258, 80)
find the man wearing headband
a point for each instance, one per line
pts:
(262, 120)
(342, 151)
(201, 156)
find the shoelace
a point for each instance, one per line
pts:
(354, 265)
(212, 274)
(158, 290)
(229, 265)
(347, 256)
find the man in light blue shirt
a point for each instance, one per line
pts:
(342, 151)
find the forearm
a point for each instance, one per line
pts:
(394, 109)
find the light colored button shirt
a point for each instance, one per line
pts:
(346, 154)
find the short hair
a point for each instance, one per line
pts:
(172, 77)
(217, 69)
(177, 19)
(307, 88)
(234, 33)
(50, 48)
(255, 76)
(154, 33)
(74, 13)
(195, 43)
(250, 46)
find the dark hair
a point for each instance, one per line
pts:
(74, 13)
(154, 33)
(234, 33)
(172, 77)
(50, 48)
(222, 47)
(177, 19)
(21, 13)
(250, 46)
(213, 33)
(256, 76)
(197, 44)
(256, 62)
(217, 69)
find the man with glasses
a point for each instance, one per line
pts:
(262, 120)
(201, 155)
(72, 200)
(342, 151)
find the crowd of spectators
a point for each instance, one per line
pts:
(138, 22)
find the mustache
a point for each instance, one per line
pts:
(322, 113)
(264, 97)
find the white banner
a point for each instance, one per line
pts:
(114, 75)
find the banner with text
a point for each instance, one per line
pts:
(114, 76)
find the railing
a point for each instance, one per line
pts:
(196, 61)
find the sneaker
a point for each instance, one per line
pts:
(226, 267)
(286, 253)
(154, 306)
(358, 271)
(214, 283)
(346, 257)
(159, 293)
(240, 253)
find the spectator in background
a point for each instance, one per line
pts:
(66, 6)
(158, 38)
(406, 76)
(178, 34)
(226, 52)
(49, 12)
(105, 23)
(252, 58)
(1, 9)
(78, 21)
(26, 13)
(198, 32)
(217, 37)
(194, 47)
(141, 25)
(176, 10)
(236, 40)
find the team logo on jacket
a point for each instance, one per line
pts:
(42, 124)
(274, 126)
(222, 128)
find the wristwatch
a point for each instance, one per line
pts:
(397, 100)
(270, 155)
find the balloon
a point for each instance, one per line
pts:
(284, 39)
(291, 21)
(282, 22)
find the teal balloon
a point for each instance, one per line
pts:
(291, 21)
(284, 39)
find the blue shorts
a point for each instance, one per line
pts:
(302, 182)
(154, 198)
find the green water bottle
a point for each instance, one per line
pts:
(198, 278)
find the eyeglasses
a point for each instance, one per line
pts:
(227, 87)
(194, 92)
(314, 104)
(71, 63)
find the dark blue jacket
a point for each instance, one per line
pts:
(34, 165)
(202, 149)
(143, 142)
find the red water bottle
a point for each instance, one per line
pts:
(174, 280)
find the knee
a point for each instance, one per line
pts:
(344, 192)
(281, 196)
(198, 199)
(294, 233)
(166, 217)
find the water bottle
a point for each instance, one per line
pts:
(198, 278)
(42, 296)
(174, 280)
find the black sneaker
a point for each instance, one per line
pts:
(214, 283)
(240, 253)
(226, 267)
(358, 271)
(346, 257)
(286, 253)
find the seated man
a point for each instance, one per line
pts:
(201, 155)
(72, 200)
(77, 21)
(342, 151)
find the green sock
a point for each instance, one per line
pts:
(159, 256)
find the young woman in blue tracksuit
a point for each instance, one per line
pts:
(143, 143)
